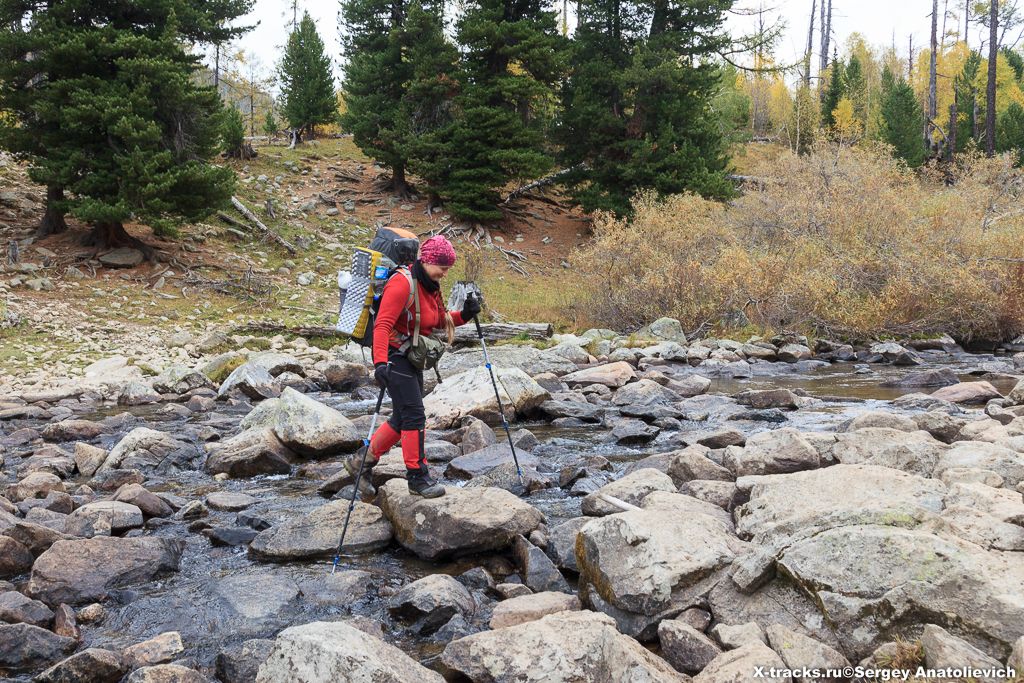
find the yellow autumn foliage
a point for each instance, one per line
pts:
(847, 126)
(842, 242)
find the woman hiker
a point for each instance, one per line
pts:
(392, 370)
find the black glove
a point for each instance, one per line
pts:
(381, 372)
(471, 308)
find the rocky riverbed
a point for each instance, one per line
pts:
(688, 508)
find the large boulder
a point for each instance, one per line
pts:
(1007, 463)
(179, 379)
(969, 393)
(149, 503)
(989, 517)
(879, 418)
(305, 654)
(148, 449)
(82, 571)
(276, 363)
(1016, 394)
(344, 376)
(34, 485)
(72, 430)
(943, 650)
(739, 665)
(528, 359)
(783, 508)
(486, 459)
(612, 375)
(120, 517)
(536, 569)
(91, 665)
(644, 392)
(525, 608)
(559, 648)
(24, 647)
(462, 522)
(250, 380)
(305, 425)
(645, 565)
(942, 377)
(762, 399)
(316, 533)
(431, 602)
(219, 367)
(472, 393)
(874, 582)
(686, 648)
(916, 452)
(775, 452)
(666, 329)
(666, 350)
(15, 558)
(632, 488)
(799, 651)
(692, 463)
(250, 453)
(17, 608)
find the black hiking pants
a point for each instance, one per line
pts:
(405, 387)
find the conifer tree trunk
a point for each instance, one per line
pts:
(810, 45)
(932, 89)
(826, 31)
(111, 235)
(990, 90)
(53, 220)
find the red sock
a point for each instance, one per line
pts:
(383, 440)
(412, 448)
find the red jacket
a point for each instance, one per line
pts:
(394, 318)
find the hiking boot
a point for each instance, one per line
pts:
(421, 484)
(366, 489)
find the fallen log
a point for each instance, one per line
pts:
(251, 217)
(499, 331)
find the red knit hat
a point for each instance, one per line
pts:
(437, 251)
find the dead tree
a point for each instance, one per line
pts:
(990, 90)
(932, 73)
(810, 45)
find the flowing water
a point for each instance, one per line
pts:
(220, 596)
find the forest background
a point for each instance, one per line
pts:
(862, 191)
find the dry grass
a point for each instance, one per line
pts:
(843, 242)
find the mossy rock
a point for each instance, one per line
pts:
(219, 367)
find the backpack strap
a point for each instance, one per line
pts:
(414, 299)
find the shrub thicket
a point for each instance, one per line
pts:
(843, 242)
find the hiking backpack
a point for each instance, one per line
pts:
(361, 287)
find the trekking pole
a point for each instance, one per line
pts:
(497, 395)
(355, 484)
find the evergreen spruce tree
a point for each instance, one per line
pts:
(967, 104)
(856, 88)
(637, 111)
(270, 125)
(307, 85)
(512, 58)
(1010, 132)
(1016, 62)
(103, 102)
(233, 131)
(902, 120)
(428, 105)
(835, 91)
(376, 75)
